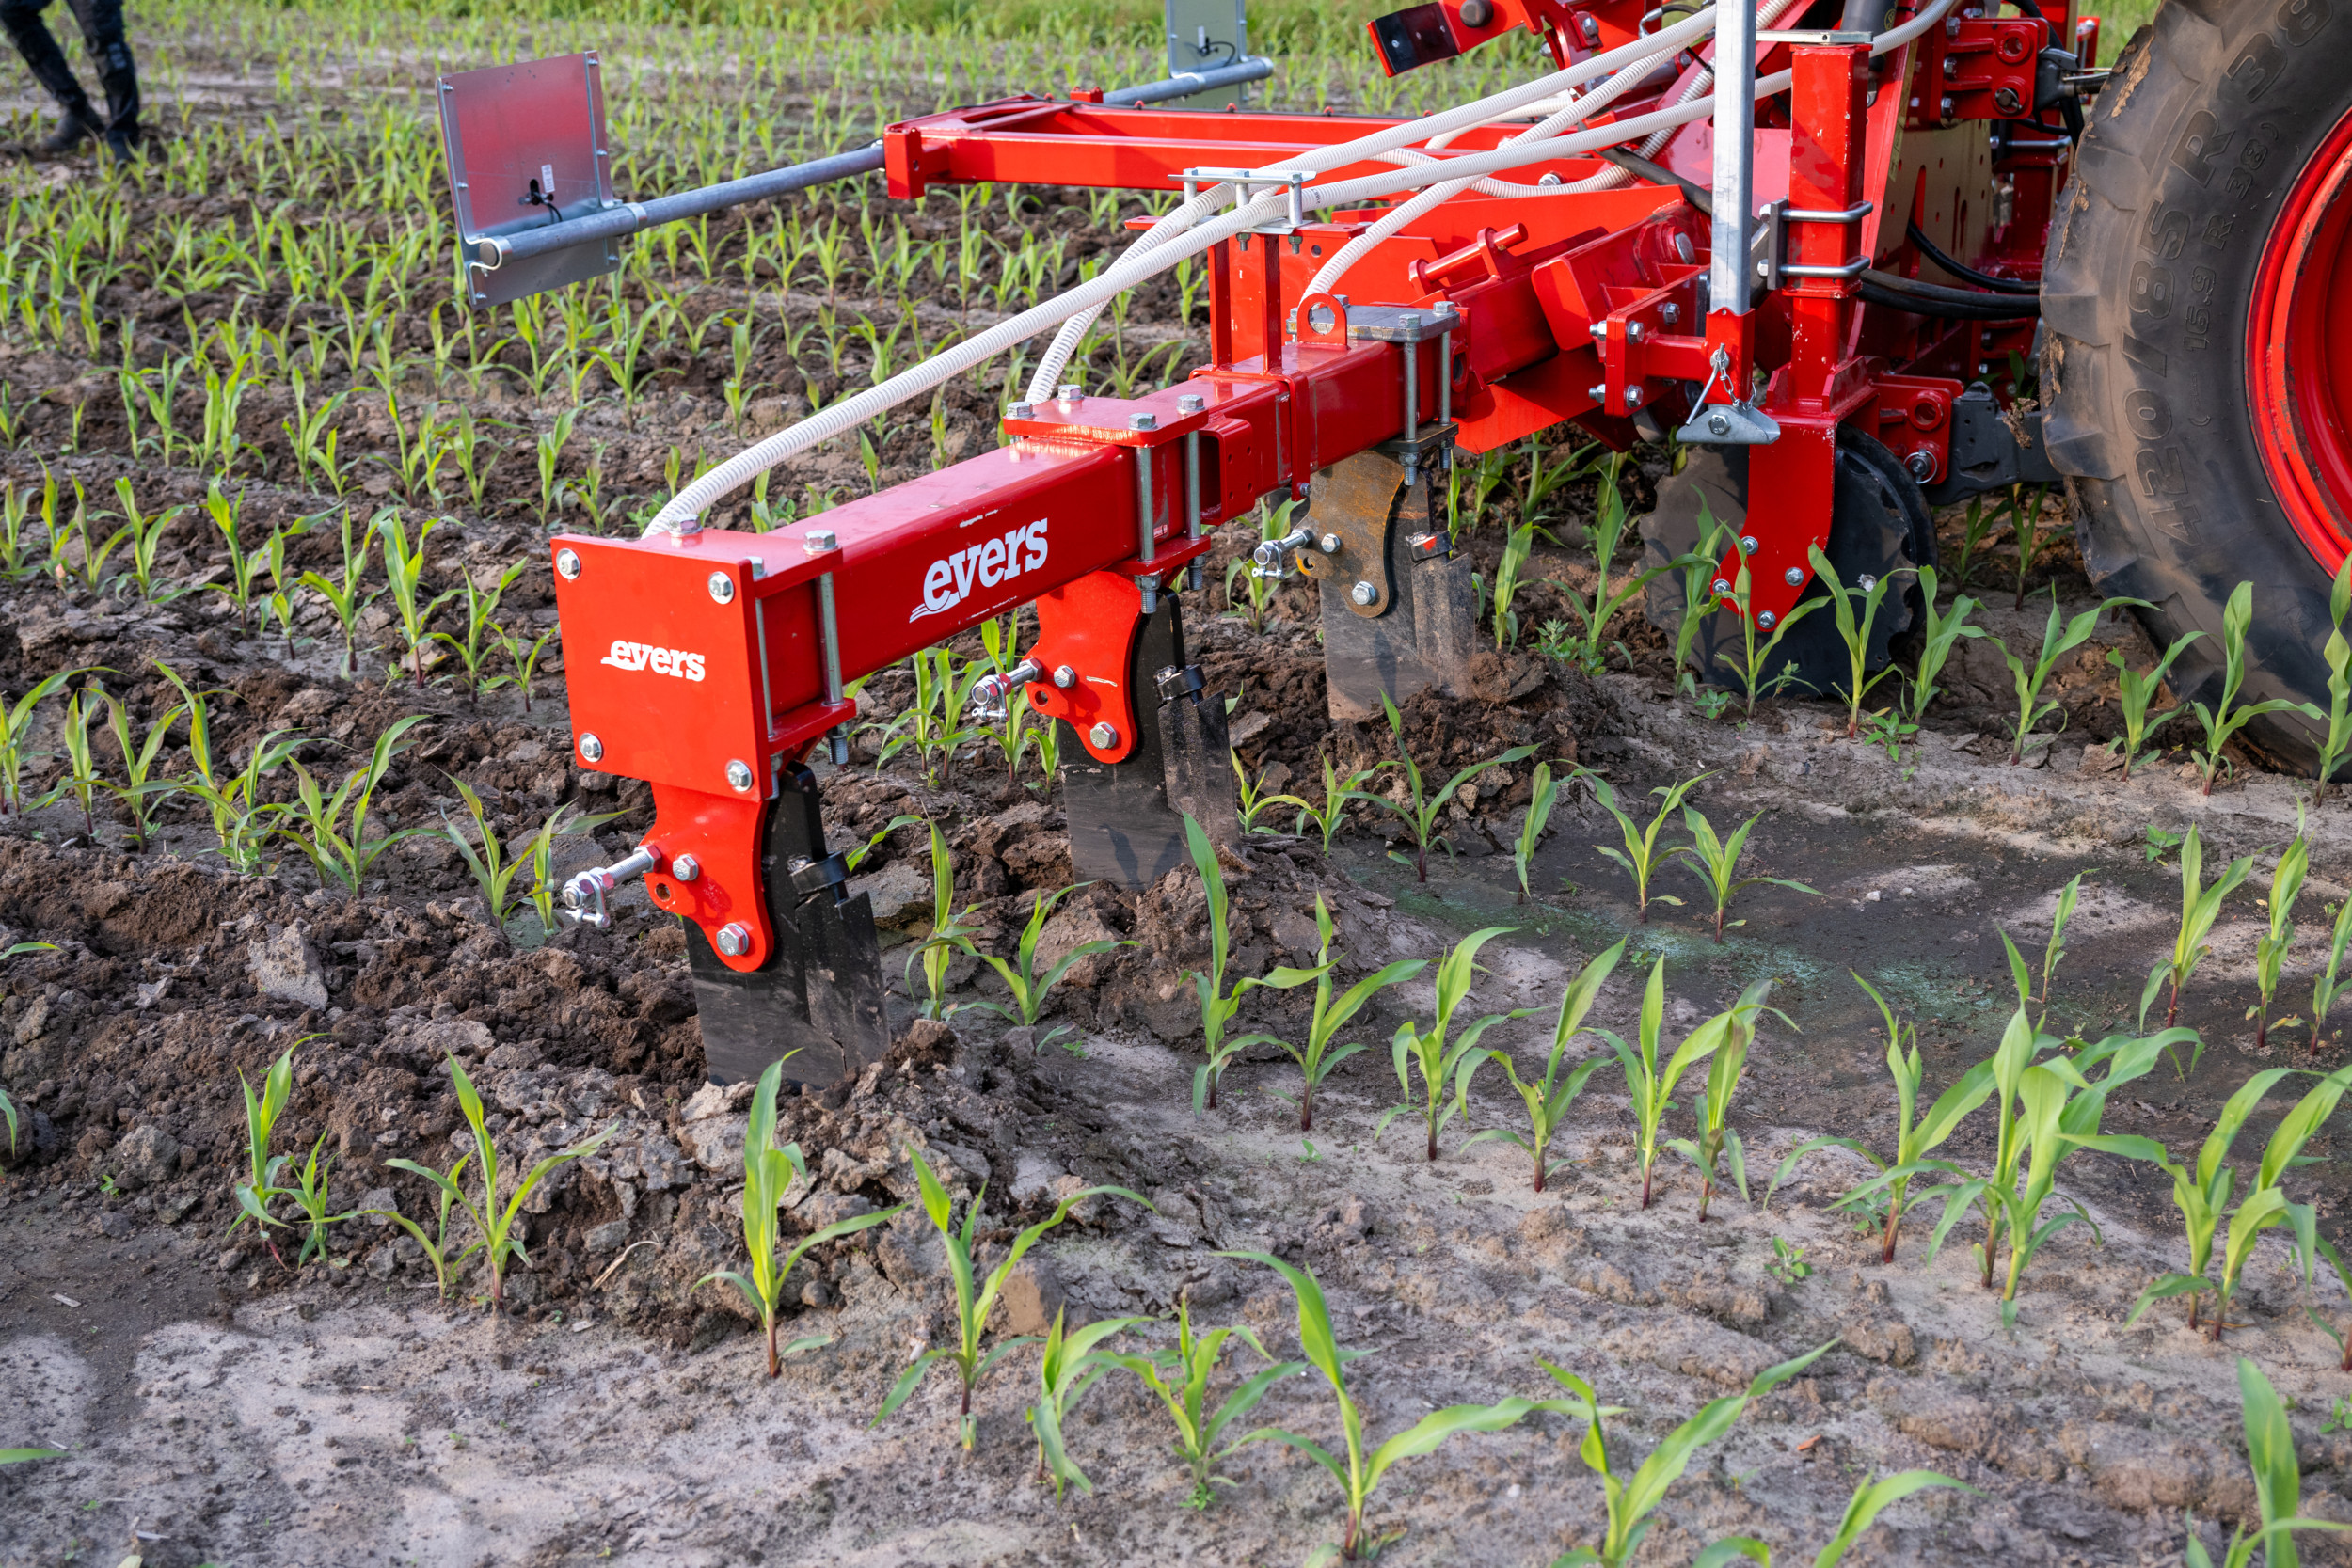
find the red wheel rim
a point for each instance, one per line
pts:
(2300, 349)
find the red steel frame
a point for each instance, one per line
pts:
(1577, 309)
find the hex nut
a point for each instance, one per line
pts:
(1103, 736)
(1191, 402)
(816, 541)
(1328, 543)
(734, 939)
(1722, 588)
(567, 562)
(590, 748)
(685, 868)
(1363, 592)
(721, 588)
(740, 775)
(1143, 421)
(1019, 410)
(1719, 423)
(1064, 676)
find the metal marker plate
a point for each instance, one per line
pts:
(526, 144)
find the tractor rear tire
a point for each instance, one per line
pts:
(2195, 365)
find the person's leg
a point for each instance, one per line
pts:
(22, 17)
(101, 29)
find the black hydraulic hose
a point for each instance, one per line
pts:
(1965, 273)
(1658, 174)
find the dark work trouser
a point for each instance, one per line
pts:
(101, 29)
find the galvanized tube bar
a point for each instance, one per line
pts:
(1730, 278)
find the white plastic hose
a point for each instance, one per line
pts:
(1138, 264)
(1639, 56)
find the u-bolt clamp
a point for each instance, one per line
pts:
(584, 896)
(1273, 558)
(992, 691)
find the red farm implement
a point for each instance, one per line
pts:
(1944, 254)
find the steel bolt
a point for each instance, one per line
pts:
(1600, 331)
(818, 541)
(1064, 676)
(567, 562)
(1143, 421)
(685, 868)
(1328, 543)
(1766, 620)
(721, 588)
(1363, 592)
(2007, 102)
(1719, 423)
(738, 775)
(1103, 736)
(1632, 398)
(1922, 466)
(1794, 578)
(1747, 543)
(734, 939)
(1633, 331)
(1868, 582)
(1949, 107)
(1069, 391)
(590, 748)
(1191, 402)
(1723, 588)
(1600, 393)
(1951, 26)
(1685, 251)
(1020, 411)
(1670, 312)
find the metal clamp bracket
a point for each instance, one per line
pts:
(1769, 248)
(1251, 181)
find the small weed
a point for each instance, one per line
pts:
(1789, 1266)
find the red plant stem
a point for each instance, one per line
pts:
(775, 1366)
(1433, 1145)
(1645, 1178)
(1307, 1110)
(2172, 1014)
(2262, 1029)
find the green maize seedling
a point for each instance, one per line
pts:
(522, 661)
(2201, 905)
(973, 1298)
(405, 570)
(1516, 547)
(2343, 1277)
(1698, 589)
(1070, 1365)
(2025, 527)
(345, 597)
(934, 725)
(494, 1223)
(2056, 642)
(309, 1195)
(2225, 717)
(1548, 1098)
(1749, 666)
(137, 792)
(938, 949)
(1651, 1088)
(1030, 991)
(1219, 1003)
(1854, 634)
(8, 1106)
(1180, 1378)
(146, 536)
(1632, 1503)
(2338, 655)
(1640, 855)
(1359, 1474)
(1914, 1140)
(1253, 801)
(2068, 896)
(494, 873)
(539, 849)
(1870, 1499)
(341, 854)
(1544, 792)
(1716, 863)
(1716, 1141)
(244, 566)
(1420, 813)
(241, 819)
(25, 1456)
(81, 778)
(472, 650)
(261, 1123)
(1336, 792)
(16, 727)
(1317, 1057)
(2278, 1482)
(857, 854)
(94, 553)
(2270, 952)
(435, 1245)
(2326, 990)
(1440, 1059)
(770, 1171)
(2135, 694)
(1609, 519)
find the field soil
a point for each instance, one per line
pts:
(216, 1405)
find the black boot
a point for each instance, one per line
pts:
(47, 64)
(120, 79)
(72, 132)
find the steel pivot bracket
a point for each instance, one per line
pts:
(816, 1001)
(1127, 817)
(1399, 612)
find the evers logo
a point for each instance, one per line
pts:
(661, 661)
(951, 580)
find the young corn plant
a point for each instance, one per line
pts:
(1650, 1086)
(2201, 905)
(2226, 718)
(1941, 633)
(2337, 740)
(1544, 793)
(16, 728)
(1420, 812)
(1717, 1143)
(448, 1191)
(1317, 1056)
(1632, 1503)
(492, 1221)
(1855, 633)
(342, 852)
(2326, 989)
(404, 568)
(1029, 990)
(1640, 855)
(1916, 1137)
(1336, 792)
(146, 538)
(946, 939)
(2135, 694)
(1069, 1367)
(1870, 1499)
(2057, 641)
(1610, 517)
(1509, 580)
(1219, 1002)
(2327, 1249)
(345, 597)
(473, 650)
(769, 1170)
(138, 792)
(1360, 1473)
(1749, 665)
(522, 662)
(1179, 1378)
(1716, 863)
(2278, 1482)
(261, 1124)
(244, 566)
(309, 1195)
(1548, 1098)
(81, 778)
(1441, 1059)
(2270, 952)
(973, 1298)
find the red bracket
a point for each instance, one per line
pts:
(1087, 627)
(1984, 71)
(721, 834)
